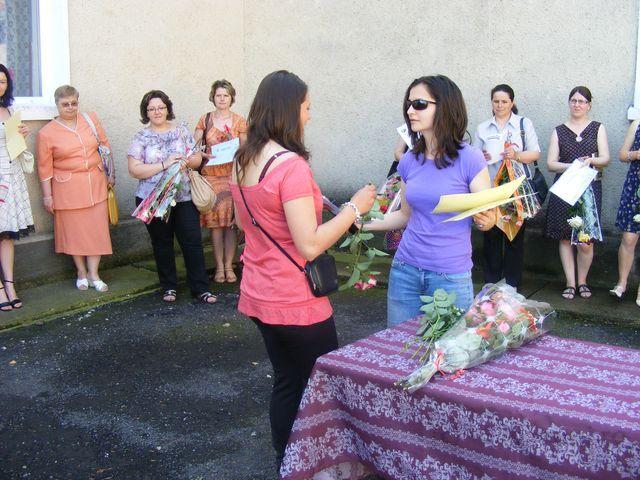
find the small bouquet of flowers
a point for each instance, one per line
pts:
(389, 200)
(499, 319)
(584, 220)
(526, 205)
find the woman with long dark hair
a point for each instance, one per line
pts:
(502, 257)
(16, 219)
(433, 254)
(273, 175)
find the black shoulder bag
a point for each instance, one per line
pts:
(538, 182)
(203, 142)
(321, 272)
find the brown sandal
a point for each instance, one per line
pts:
(219, 277)
(230, 275)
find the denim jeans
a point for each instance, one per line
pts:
(407, 283)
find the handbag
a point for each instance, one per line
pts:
(321, 272)
(112, 205)
(103, 151)
(26, 161)
(538, 182)
(202, 194)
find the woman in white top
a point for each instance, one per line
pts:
(503, 258)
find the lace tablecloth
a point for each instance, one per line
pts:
(553, 409)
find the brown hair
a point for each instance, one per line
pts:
(144, 104)
(503, 87)
(450, 121)
(226, 84)
(582, 90)
(65, 91)
(274, 115)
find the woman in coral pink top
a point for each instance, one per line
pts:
(273, 172)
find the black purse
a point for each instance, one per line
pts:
(321, 272)
(538, 182)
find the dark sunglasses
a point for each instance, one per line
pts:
(419, 104)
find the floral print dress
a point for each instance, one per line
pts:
(629, 201)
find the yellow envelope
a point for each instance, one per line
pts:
(481, 208)
(15, 142)
(463, 202)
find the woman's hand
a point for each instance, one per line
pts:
(364, 198)
(48, 204)
(509, 153)
(485, 220)
(23, 130)
(487, 155)
(175, 159)
(586, 161)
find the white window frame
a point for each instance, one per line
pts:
(53, 16)
(634, 110)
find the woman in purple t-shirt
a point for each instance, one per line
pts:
(433, 254)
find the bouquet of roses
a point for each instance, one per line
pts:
(499, 318)
(584, 220)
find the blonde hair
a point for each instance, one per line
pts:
(226, 84)
(65, 91)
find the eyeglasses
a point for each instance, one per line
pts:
(155, 109)
(578, 101)
(418, 104)
(69, 105)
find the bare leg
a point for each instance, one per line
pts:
(625, 257)
(6, 259)
(568, 262)
(217, 239)
(229, 253)
(81, 268)
(93, 264)
(585, 257)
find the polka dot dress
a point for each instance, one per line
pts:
(629, 202)
(572, 146)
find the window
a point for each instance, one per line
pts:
(34, 45)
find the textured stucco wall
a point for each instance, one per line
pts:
(359, 56)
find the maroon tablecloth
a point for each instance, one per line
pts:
(553, 409)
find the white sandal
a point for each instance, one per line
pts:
(82, 284)
(617, 292)
(99, 285)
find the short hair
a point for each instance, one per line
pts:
(226, 84)
(503, 87)
(449, 123)
(582, 90)
(65, 91)
(7, 99)
(150, 95)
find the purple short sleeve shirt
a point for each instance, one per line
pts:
(427, 242)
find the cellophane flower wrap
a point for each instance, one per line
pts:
(499, 319)
(387, 198)
(584, 219)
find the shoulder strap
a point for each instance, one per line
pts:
(206, 127)
(255, 222)
(268, 164)
(524, 143)
(87, 118)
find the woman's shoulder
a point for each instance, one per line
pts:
(484, 125)
(468, 152)
(47, 129)
(236, 117)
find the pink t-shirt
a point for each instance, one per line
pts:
(272, 288)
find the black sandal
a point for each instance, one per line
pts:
(569, 293)
(14, 303)
(204, 298)
(585, 291)
(169, 293)
(4, 305)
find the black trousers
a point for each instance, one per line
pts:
(184, 223)
(502, 258)
(293, 351)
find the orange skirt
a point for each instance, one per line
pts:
(221, 215)
(83, 231)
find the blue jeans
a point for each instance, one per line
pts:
(407, 283)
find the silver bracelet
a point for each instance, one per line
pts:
(355, 209)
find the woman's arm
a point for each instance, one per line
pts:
(602, 160)
(394, 220)
(484, 220)
(194, 161)
(626, 154)
(553, 156)
(140, 170)
(399, 149)
(47, 198)
(312, 239)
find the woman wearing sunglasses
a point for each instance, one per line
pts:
(502, 257)
(433, 254)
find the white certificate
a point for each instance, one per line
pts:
(403, 131)
(573, 182)
(224, 152)
(494, 145)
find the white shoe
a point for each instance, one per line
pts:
(82, 284)
(617, 291)
(99, 285)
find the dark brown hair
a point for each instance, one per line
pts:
(274, 115)
(503, 87)
(450, 121)
(7, 99)
(582, 90)
(144, 104)
(226, 84)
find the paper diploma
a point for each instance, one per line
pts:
(494, 145)
(15, 142)
(224, 152)
(573, 182)
(403, 131)
(471, 203)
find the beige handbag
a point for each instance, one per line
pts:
(202, 194)
(26, 161)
